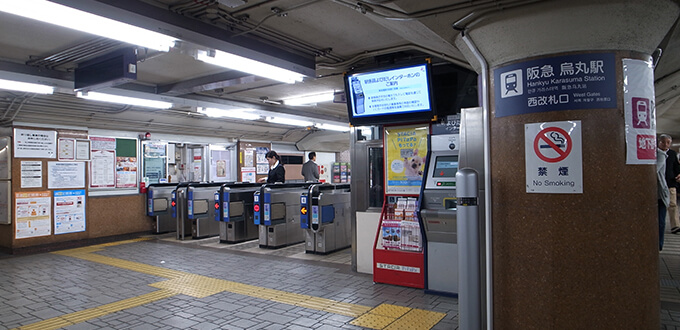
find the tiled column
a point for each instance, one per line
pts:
(584, 260)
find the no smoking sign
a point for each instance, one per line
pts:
(554, 157)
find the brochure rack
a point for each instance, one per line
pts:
(398, 249)
(398, 256)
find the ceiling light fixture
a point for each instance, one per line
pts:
(53, 13)
(331, 127)
(288, 121)
(25, 87)
(309, 99)
(247, 65)
(244, 114)
(124, 100)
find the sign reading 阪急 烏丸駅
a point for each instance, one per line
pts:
(583, 81)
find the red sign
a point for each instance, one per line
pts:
(552, 140)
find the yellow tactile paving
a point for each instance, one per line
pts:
(417, 319)
(93, 313)
(385, 316)
(372, 321)
(388, 310)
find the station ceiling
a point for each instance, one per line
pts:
(322, 38)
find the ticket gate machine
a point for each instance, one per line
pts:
(325, 217)
(200, 210)
(438, 214)
(277, 213)
(158, 205)
(179, 211)
(234, 212)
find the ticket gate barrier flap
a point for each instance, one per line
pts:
(279, 210)
(328, 225)
(236, 212)
(159, 206)
(200, 209)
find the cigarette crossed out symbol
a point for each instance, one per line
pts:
(553, 138)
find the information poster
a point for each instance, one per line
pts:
(154, 161)
(248, 174)
(67, 149)
(262, 163)
(406, 148)
(126, 172)
(65, 175)
(31, 174)
(83, 149)
(33, 214)
(69, 211)
(102, 163)
(35, 143)
(640, 110)
(219, 165)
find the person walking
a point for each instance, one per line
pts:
(672, 176)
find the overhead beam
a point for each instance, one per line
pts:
(208, 83)
(161, 20)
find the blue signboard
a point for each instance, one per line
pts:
(583, 81)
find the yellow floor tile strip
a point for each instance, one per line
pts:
(96, 312)
(392, 317)
(385, 316)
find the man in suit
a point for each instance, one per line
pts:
(310, 171)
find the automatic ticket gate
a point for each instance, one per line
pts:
(438, 214)
(159, 206)
(179, 211)
(277, 213)
(325, 217)
(200, 209)
(234, 212)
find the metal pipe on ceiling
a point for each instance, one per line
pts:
(345, 65)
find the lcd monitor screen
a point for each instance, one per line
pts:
(445, 167)
(390, 95)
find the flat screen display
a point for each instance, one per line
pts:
(390, 95)
(445, 167)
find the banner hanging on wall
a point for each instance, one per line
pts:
(405, 147)
(640, 110)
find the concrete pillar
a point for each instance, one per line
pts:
(572, 261)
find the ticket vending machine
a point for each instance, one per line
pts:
(438, 214)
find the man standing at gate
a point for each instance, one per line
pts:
(672, 179)
(310, 171)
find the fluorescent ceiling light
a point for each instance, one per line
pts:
(287, 121)
(124, 100)
(71, 18)
(310, 99)
(244, 114)
(331, 127)
(247, 65)
(25, 87)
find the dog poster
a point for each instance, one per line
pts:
(405, 153)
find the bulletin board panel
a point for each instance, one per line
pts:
(252, 165)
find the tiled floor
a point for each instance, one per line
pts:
(158, 282)
(161, 284)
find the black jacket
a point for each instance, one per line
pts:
(672, 168)
(278, 174)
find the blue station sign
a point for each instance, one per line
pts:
(583, 81)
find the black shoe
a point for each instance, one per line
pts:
(675, 230)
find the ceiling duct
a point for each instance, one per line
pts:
(109, 70)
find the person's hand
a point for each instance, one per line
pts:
(262, 180)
